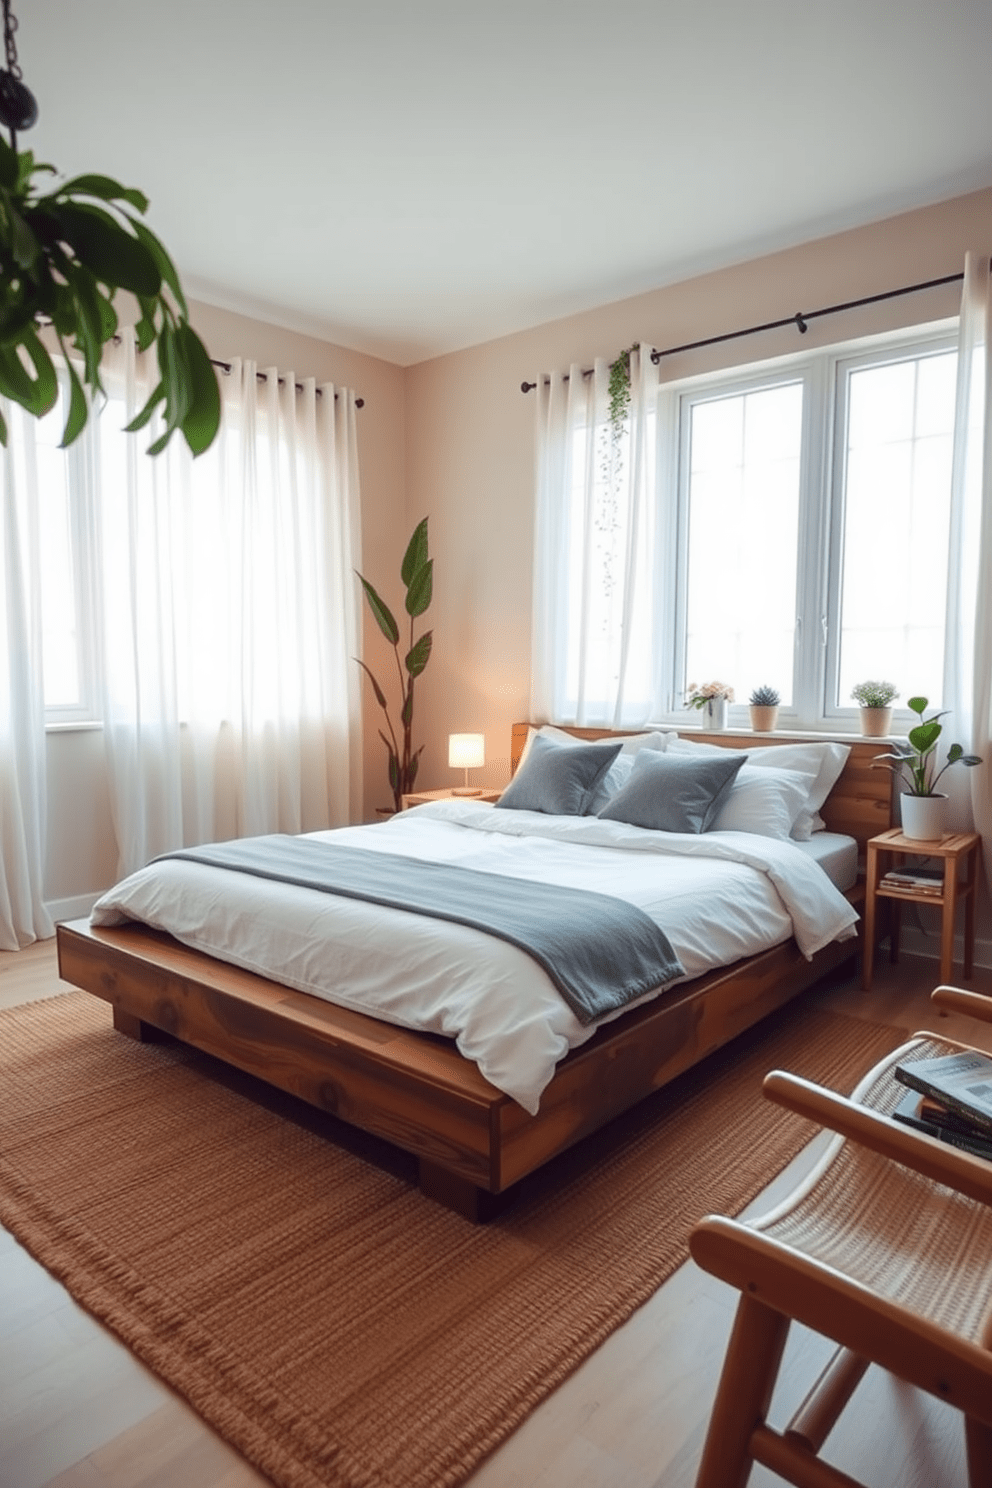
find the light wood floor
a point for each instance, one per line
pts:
(78, 1411)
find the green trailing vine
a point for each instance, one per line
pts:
(619, 391)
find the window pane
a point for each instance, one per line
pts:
(743, 538)
(896, 515)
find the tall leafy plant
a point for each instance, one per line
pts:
(64, 255)
(417, 575)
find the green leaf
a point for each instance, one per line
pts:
(175, 375)
(45, 384)
(380, 696)
(416, 553)
(394, 769)
(78, 407)
(421, 589)
(420, 655)
(3, 431)
(142, 417)
(406, 714)
(918, 705)
(414, 766)
(105, 188)
(23, 243)
(384, 618)
(146, 330)
(14, 380)
(163, 262)
(109, 251)
(954, 753)
(924, 736)
(203, 419)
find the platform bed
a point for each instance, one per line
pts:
(471, 1141)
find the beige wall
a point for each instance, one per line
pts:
(452, 439)
(82, 854)
(470, 432)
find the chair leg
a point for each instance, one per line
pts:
(979, 1441)
(750, 1369)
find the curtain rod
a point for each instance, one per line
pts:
(799, 320)
(225, 367)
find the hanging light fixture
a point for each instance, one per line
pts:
(64, 255)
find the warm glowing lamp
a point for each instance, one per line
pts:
(466, 752)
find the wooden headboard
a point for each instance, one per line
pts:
(860, 804)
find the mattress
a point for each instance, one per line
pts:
(836, 854)
(718, 897)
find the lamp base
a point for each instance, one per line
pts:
(466, 790)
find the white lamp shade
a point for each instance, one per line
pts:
(466, 751)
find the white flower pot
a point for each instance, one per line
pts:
(715, 713)
(876, 723)
(923, 817)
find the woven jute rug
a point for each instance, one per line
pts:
(288, 1279)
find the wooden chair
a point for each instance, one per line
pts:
(886, 1248)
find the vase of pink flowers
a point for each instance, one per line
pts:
(712, 699)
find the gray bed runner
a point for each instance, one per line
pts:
(600, 952)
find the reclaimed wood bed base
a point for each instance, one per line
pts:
(414, 1089)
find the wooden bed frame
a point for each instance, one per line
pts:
(415, 1089)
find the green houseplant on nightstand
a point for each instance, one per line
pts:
(923, 806)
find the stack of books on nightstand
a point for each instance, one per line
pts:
(950, 1098)
(929, 880)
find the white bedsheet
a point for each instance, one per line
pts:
(718, 897)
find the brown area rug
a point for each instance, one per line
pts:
(326, 1319)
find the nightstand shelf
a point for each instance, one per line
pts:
(947, 893)
(420, 798)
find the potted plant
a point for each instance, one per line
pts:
(763, 704)
(417, 574)
(712, 699)
(923, 806)
(875, 700)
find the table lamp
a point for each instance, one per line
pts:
(466, 752)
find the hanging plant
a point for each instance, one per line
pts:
(619, 390)
(64, 255)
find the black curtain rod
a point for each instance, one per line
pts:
(225, 367)
(799, 320)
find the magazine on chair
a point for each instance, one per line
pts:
(926, 1115)
(961, 1082)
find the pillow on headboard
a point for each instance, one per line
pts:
(558, 779)
(618, 773)
(821, 762)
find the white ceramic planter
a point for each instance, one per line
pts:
(923, 817)
(876, 723)
(715, 713)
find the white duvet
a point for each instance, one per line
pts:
(718, 897)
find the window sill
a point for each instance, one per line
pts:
(74, 726)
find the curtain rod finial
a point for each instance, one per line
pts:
(803, 327)
(525, 387)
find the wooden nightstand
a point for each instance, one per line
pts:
(419, 798)
(952, 848)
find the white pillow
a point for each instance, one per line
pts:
(766, 802)
(619, 772)
(821, 763)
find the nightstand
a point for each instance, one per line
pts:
(953, 847)
(419, 798)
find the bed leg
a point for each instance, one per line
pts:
(459, 1194)
(136, 1028)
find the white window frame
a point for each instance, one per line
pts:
(824, 374)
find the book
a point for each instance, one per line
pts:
(961, 1082)
(926, 1115)
(915, 878)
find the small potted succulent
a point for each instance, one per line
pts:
(923, 806)
(763, 704)
(712, 699)
(875, 700)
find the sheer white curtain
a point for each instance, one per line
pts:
(23, 916)
(229, 617)
(968, 663)
(600, 548)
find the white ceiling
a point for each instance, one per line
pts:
(408, 177)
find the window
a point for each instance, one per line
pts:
(813, 515)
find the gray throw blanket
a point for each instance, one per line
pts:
(600, 952)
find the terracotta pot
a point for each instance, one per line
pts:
(923, 817)
(876, 723)
(764, 717)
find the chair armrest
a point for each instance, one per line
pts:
(956, 1000)
(936, 1160)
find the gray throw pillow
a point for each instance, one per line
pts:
(557, 778)
(674, 793)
